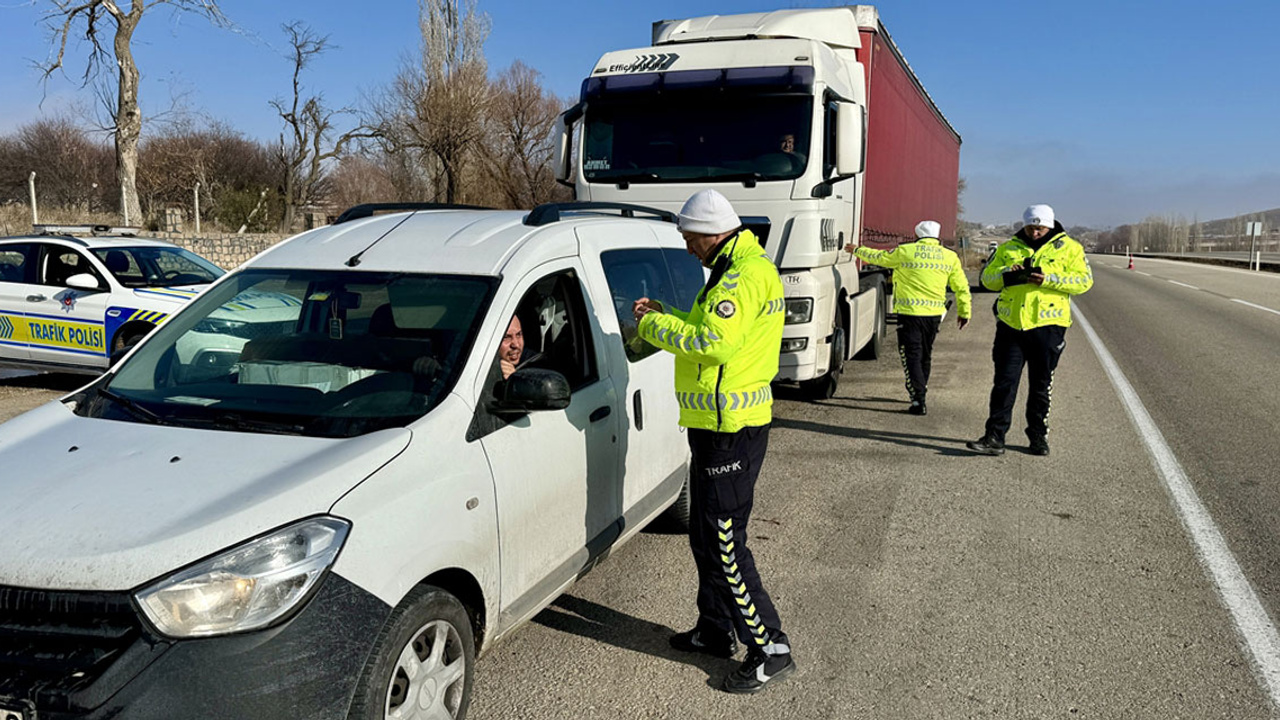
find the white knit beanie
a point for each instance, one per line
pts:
(1041, 215)
(928, 229)
(708, 212)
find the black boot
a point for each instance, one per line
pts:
(716, 643)
(918, 407)
(759, 669)
(986, 445)
(1039, 446)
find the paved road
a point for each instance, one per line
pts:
(918, 581)
(1200, 345)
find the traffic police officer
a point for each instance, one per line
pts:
(726, 350)
(1036, 272)
(922, 271)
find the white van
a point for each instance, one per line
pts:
(330, 507)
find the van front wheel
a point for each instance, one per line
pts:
(423, 662)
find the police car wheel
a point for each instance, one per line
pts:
(423, 662)
(126, 341)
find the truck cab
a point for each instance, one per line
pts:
(772, 110)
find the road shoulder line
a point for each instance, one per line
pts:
(1259, 307)
(1237, 594)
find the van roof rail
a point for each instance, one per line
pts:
(93, 230)
(368, 209)
(548, 213)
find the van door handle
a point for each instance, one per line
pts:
(36, 298)
(601, 413)
(637, 405)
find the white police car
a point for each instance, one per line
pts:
(328, 510)
(71, 296)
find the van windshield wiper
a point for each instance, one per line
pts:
(133, 407)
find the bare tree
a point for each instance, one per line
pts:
(305, 145)
(519, 147)
(435, 106)
(67, 14)
(73, 167)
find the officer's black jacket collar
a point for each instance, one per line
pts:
(1048, 237)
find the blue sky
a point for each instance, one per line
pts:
(1110, 111)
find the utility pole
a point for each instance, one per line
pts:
(197, 207)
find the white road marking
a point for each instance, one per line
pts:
(1246, 302)
(1142, 273)
(1175, 282)
(1251, 620)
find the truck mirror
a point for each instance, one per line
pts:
(564, 143)
(851, 135)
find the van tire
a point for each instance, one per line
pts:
(680, 511)
(427, 617)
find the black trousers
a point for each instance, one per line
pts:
(1038, 349)
(722, 490)
(915, 346)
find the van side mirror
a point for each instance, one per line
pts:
(84, 281)
(530, 390)
(851, 139)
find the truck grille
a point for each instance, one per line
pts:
(54, 644)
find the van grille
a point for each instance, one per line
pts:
(54, 644)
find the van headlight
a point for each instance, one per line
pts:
(799, 311)
(247, 587)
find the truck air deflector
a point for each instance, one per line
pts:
(785, 78)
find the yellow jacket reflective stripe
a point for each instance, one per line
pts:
(1026, 306)
(727, 345)
(922, 271)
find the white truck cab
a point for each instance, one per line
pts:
(347, 481)
(810, 122)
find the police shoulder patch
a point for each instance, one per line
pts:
(726, 309)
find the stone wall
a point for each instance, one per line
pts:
(226, 250)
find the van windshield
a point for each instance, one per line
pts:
(319, 353)
(685, 129)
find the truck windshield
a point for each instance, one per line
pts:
(319, 353)
(685, 136)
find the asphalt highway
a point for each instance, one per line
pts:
(919, 581)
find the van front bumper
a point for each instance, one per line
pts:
(306, 667)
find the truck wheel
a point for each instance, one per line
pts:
(678, 513)
(875, 346)
(423, 662)
(824, 388)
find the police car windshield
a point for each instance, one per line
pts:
(154, 266)
(321, 353)
(748, 132)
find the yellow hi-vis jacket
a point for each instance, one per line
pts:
(922, 270)
(727, 345)
(1026, 305)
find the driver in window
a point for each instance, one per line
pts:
(511, 348)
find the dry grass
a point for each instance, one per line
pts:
(15, 219)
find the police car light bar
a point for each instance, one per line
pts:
(93, 230)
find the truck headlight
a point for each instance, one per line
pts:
(247, 587)
(799, 310)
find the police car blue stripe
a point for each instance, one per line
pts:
(64, 318)
(94, 353)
